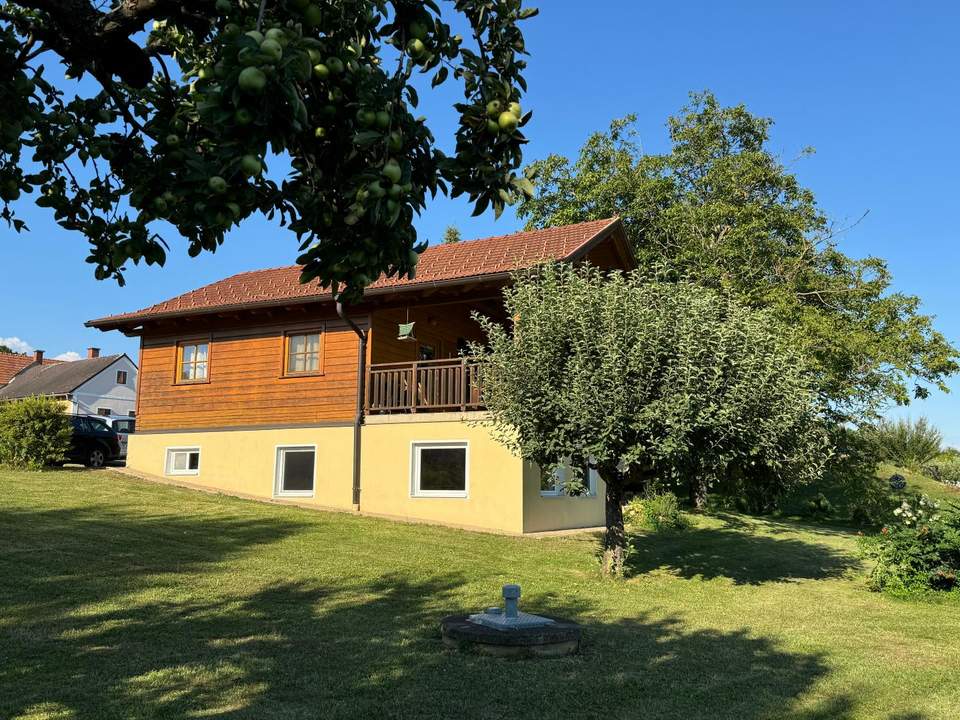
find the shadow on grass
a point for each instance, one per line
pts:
(104, 615)
(738, 553)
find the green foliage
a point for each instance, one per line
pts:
(945, 468)
(919, 552)
(5, 349)
(451, 235)
(663, 380)
(655, 512)
(721, 210)
(34, 433)
(904, 442)
(178, 124)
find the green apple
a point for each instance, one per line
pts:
(508, 121)
(493, 127)
(271, 50)
(217, 184)
(256, 35)
(494, 108)
(416, 48)
(418, 30)
(172, 140)
(383, 119)
(312, 15)
(251, 165)
(395, 142)
(321, 71)
(516, 109)
(252, 80)
(320, 132)
(392, 171)
(335, 64)
(376, 189)
(243, 116)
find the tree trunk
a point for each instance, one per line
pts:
(615, 540)
(698, 493)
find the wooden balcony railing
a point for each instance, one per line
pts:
(423, 386)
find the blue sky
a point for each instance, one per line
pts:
(873, 86)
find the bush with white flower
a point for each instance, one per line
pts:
(919, 551)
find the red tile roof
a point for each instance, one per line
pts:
(12, 363)
(462, 261)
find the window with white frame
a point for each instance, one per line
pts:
(440, 469)
(296, 467)
(183, 461)
(566, 481)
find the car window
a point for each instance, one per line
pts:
(98, 425)
(82, 424)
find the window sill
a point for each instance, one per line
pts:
(434, 495)
(191, 382)
(288, 495)
(294, 376)
(550, 495)
(184, 473)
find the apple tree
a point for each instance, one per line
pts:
(648, 381)
(171, 112)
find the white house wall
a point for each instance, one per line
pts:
(102, 391)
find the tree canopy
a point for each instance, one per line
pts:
(657, 381)
(720, 209)
(178, 123)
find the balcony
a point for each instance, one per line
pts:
(424, 386)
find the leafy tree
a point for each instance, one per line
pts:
(451, 235)
(5, 349)
(647, 380)
(721, 210)
(178, 123)
(905, 442)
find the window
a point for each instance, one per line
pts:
(104, 411)
(183, 461)
(121, 377)
(192, 362)
(295, 471)
(565, 482)
(303, 353)
(439, 469)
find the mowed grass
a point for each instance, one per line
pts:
(123, 599)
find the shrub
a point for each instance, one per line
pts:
(917, 553)
(945, 468)
(654, 512)
(34, 432)
(905, 442)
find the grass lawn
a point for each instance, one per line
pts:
(122, 599)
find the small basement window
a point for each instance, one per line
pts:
(440, 469)
(183, 461)
(564, 482)
(295, 469)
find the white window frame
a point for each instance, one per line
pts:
(278, 461)
(560, 478)
(417, 446)
(168, 460)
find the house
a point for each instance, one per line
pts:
(96, 385)
(13, 363)
(262, 386)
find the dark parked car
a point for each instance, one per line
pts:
(94, 443)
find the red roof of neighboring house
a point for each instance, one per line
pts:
(453, 262)
(12, 363)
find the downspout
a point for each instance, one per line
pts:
(361, 385)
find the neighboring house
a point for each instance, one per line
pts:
(13, 363)
(256, 385)
(94, 386)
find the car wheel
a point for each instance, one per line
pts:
(96, 458)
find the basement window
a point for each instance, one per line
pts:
(295, 470)
(440, 469)
(565, 482)
(183, 461)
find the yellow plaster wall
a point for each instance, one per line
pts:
(544, 513)
(503, 491)
(242, 461)
(495, 497)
